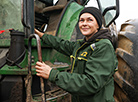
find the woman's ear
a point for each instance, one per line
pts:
(97, 27)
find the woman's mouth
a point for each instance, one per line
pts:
(85, 29)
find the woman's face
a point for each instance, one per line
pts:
(88, 25)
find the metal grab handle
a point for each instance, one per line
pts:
(39, 58)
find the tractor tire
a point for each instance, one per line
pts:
(126, 78)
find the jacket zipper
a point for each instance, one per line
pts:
(75, 56)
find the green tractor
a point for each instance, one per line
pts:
(21, 48)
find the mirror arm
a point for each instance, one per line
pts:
(108, 8)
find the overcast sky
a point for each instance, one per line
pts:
(128, 10)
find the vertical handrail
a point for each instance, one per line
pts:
(28, 16)
(29, 64)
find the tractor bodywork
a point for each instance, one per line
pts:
(20, 48)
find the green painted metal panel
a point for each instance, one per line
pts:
(10, 16)
(5, 42)
(69, 20)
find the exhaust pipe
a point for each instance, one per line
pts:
(17, 49)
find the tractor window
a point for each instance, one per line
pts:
(107, 3)
(109, 9)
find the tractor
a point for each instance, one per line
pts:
(21, 48)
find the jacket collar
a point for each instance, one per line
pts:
(101, 34)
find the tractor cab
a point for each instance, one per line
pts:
(21, 48)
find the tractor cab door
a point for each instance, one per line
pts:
(110, 10)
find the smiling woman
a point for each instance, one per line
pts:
(93, 61)
(90, 21)
(88, 25)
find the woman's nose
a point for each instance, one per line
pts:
(85, 22)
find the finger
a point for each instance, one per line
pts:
(36, 31)
(38, 67)
(38, 70)
(39, 63)
(38, 74)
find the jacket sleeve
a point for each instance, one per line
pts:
(98, 69)
(61, 45)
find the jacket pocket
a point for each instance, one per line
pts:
(81, 63)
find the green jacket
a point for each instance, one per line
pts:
(93, 66)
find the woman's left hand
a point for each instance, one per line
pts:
(43, 70)
(40, 34)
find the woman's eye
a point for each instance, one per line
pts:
(90, 20)
(81, 20)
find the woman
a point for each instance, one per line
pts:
(93, 65)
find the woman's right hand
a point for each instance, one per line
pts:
(40, 34)
(43, 70)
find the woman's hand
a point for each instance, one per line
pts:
(42, 70)
(40, 34)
